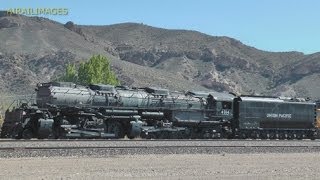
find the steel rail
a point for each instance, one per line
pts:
(149, 147)
(155, 140)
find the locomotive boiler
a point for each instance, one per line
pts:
(104, 111)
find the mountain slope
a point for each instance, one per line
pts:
(36, 49)
(219, 63)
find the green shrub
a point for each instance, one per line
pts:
(96, 70)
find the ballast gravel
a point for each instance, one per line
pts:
(166, 166)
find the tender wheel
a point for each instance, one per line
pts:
(268, 135)
(255, 135)
(282, 135)
(115, 128)
(294, 135)
(27, 134)
(272, 135)
(243, 136)
(312, 136)
(299, 136)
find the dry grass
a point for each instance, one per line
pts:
(1, 121)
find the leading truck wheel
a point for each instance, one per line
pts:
(27, 134)
(115, 128)
(17, 132)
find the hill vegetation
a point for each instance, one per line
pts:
(35, 49)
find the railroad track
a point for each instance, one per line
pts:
(151, 140)
(130, 144)
(101, 148)
(142, 147)
(67, 148)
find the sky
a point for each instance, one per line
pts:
(271, 25)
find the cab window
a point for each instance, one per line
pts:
(226, 105)
(219, 106)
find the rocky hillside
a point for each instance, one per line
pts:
(34, 49)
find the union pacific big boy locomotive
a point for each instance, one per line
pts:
(66, 110)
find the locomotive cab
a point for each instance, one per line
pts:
(220, 106)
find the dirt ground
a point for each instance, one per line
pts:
(195, 166)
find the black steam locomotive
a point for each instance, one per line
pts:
(65, 110)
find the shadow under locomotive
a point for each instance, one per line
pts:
(65, 110)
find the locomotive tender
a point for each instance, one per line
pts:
(65, 110)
